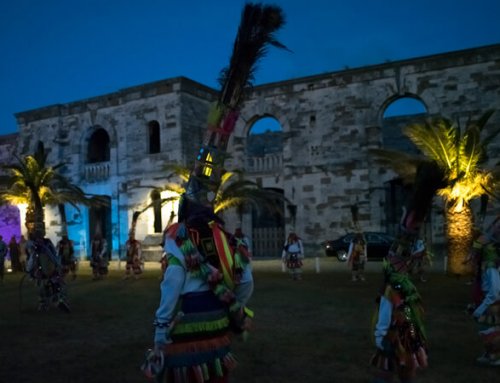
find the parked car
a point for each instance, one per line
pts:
(378, 245)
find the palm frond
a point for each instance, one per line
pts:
(177, 170)
(469, 151)
(402, 163)
(436, 139)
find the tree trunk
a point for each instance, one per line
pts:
(64, 220)
(459, 237)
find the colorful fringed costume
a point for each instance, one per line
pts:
(399, 331)
(357, 256)
(44, 268)
(292, 255)
(99, 259)
(208, 280)
(201, 304)
(66, 254)
(134, 258)
(486, 294)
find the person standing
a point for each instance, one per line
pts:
(23, 255)
(99, 257)
(357, 256)
(44, 268)
(66, 254)
(486, 293)
(3, 254)
(292, 255)
(134, 257)
(14, 254)
(420, 259)
(202, 302)
(399, 333)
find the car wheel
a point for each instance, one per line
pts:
(342, 255)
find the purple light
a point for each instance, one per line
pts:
(10, 223)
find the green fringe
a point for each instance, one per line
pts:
(204, 369)
(187, 247)
(172, 260)
(218, 368)
(401, 282)
(195, 327)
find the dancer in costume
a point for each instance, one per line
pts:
(23, 256)
(208, 282)
(357, 256)
(99, 257)
(420, 259)
(134, 257)
(400, 338)
(399, 331)
(486, 293)
(66, 254)
(292, 255)
(203, 300)
(44, 267)
(14, 255)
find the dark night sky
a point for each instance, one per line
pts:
(58, 51)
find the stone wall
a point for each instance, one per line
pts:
(329, 122)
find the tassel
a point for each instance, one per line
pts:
(177, 375)
(218, 368)
(198, 374)
(204, 368)
(422, 357)
(184, 375)
(230, 362)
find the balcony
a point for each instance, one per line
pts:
(97, 172)
(268, 163)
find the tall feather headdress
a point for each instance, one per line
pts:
(255, 34)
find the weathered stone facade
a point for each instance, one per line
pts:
(328, 122)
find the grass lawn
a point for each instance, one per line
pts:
(317, 330)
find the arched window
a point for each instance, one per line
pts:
(397, 115)
(156, 198)
(154, 137)
(264, 147)
(405, 106)
(98, 147)
(265, 125)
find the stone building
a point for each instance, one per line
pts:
(117, 145)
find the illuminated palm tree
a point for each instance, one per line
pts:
(234, 192)
(33, 182)
(462, 155)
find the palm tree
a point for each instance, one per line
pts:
(33, 182)
(234, 192)
(462, 155)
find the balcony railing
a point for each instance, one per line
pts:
(97, 172)
(266, 164)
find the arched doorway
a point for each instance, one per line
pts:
(264, 161)
(100, 222)
(268, 230)
(398, 114)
